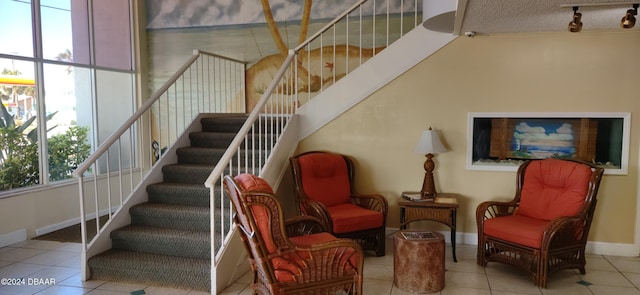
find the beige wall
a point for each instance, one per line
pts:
(560, 72)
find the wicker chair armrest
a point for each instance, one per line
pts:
(303, 225)
(564, 231)
(319, 211)
(491, 209)
(372, 202)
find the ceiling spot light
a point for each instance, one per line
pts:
(629, 19)
(576, 24)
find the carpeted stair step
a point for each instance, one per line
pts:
(223, 140)
(198, 174)
(210, 156)
(199, 155)
(186, 173)
(135, 267)
(165, 241)
(179, 194)
(171, 216)
(230, 123)
(211, 139)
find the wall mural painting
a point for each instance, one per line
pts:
(260, 32)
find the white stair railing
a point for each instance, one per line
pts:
(206, 83)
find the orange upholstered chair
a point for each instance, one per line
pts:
(292, 257)
(544, 228)
(324, 188)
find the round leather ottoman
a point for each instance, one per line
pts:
(418, 263)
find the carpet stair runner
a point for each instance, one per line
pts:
(168, 240)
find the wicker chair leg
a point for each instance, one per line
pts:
(541, 272)
(381, 249)
(481, 255)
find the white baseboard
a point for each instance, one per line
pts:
(69, 222)
(596, 248)
(13, 237)
(616, 249)
(56, 226)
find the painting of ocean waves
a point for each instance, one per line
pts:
(533, 139)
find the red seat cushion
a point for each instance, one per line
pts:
(518, 229)
(325, 178)
(553, 188)
(350, 218)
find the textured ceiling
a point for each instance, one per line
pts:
(515, 16)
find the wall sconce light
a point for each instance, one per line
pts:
(429, 144)
(629, 19)
(576, 24)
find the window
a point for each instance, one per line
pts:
(56, 76)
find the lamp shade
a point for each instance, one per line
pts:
(430, 143)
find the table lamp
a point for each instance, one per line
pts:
(429, 144)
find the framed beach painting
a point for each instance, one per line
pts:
(502, 141)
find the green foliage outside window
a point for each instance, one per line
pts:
(67, 151)
(19, 166)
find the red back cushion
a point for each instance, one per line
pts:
(553, 188)
(325, 178)
(250, 182)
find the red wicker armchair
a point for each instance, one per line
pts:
(324, 187)
(296, 257)
(544, 228)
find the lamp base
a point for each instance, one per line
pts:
(428, 186)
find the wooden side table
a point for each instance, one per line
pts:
(442, 210)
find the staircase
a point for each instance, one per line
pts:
(168, 240)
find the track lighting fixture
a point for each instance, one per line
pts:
(629, 19)
(576, 24)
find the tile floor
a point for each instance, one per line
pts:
(53, 268)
